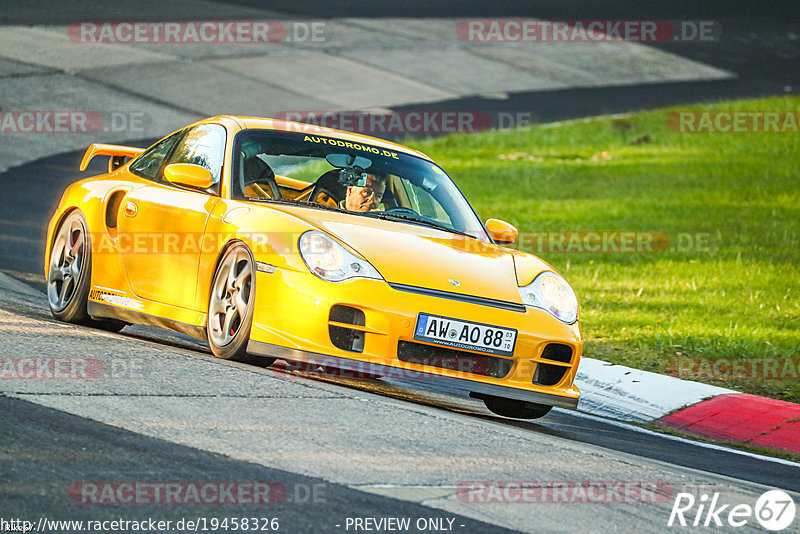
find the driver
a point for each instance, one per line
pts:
(365, 198)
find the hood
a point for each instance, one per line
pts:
(421, 257)
(418, 256)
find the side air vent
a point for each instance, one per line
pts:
(350, 339)
(112, 208)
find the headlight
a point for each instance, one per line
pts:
(329, 260)
(553, 294)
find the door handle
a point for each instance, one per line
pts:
(130, 209)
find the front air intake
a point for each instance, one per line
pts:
(455, 360)
(557, 352)
(349, 339)
(547, 374)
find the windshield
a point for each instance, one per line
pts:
(357, 178)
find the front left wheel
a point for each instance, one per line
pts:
(230, 306)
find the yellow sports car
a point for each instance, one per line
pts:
(275, 239)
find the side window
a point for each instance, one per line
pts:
(204, 146)
(149, 163)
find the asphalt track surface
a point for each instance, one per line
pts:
(230, 409)
(36, 438)
(77, 445)
(760, 43)
(45, 450)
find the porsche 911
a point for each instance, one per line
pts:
(279, 240)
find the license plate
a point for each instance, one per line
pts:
(465, 334)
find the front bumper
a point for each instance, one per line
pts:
(358, 368)
(291, 321)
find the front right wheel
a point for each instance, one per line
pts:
(230, 307)
(514, 408)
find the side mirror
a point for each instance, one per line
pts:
(188, 174)
(501, 232)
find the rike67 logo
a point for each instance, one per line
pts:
(774, 510)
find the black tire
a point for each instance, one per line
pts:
(109, 325)
(513, 408)
(226, 345)
(67, 294)
(71, 307)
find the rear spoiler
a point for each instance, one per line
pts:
(118, 154)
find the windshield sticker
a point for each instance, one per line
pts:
(354, 146)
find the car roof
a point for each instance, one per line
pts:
(264, 123)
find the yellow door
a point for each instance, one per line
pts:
(163, 224)
(161, 231)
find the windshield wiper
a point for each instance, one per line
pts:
(375, 214)
(420, 221)
(306, 203)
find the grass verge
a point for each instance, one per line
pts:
(729, 203)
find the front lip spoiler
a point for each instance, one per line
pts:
(260, 348)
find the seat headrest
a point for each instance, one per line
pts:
(256, 169)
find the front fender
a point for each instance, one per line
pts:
(270, 234)
(528, 267)
(86, 195)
